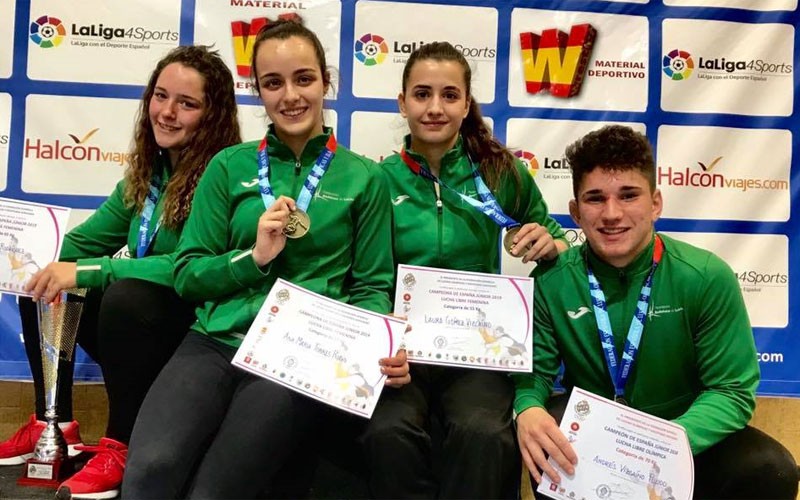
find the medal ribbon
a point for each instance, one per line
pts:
(620, 373)
(150, 201)
(309, 185)
(488, 204)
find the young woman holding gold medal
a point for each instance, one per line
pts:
(461, 188)
(208, 429)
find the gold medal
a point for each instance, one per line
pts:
(298, 224)
(508, 241)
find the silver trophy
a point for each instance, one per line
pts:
(58, 329)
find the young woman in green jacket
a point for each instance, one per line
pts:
(434, 227)
(132, 320)
(208, 429)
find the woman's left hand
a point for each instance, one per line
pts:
(50, 281)
(396, 369)
(538, 242)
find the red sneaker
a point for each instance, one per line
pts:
(101, 477)
(19, 447)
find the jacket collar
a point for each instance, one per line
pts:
(279, 150)
(450, 159)
(641, 264)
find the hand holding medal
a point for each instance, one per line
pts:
(270, 234)
(531, 242)
(297, 221)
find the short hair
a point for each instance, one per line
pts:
(613, 147)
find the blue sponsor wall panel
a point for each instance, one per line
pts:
(753, 104)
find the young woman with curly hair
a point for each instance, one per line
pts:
(132, 320)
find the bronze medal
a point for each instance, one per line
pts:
(298, 225)
(508, 240)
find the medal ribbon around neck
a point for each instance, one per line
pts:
(150, 201)
(309, 185)
(620, 373)
(488, 204)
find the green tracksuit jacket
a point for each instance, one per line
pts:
(346, 255)
(455, 235)
(106, 231)
(697, 360)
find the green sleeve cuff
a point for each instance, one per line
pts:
(245, 270)
(524, 401)
(528, 394)
(90, 272)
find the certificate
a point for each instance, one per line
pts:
(320, 347)
(460, 318)
(622, 454)
(30, 238)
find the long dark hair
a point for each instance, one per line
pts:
(285, 27)
(218, 129)
(495, 160)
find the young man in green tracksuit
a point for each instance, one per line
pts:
(696, 362)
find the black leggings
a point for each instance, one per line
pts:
(208, 429)
(479, 456)
(131, 331)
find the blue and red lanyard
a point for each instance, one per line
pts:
(309, 185)
(621, 372)
(488, 204)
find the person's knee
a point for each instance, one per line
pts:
(391, 432)
(483, 429)
(757, 465)
(774, 466)
(126, 296)
(148, 463)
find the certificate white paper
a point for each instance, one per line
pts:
(622, 454)
(461, 318)
(320, 347)
(30, 238)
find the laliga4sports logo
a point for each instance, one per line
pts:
(679, 65)
(372, 50)
(529, 160)
(47, 32)
(551, 168)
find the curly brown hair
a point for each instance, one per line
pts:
(218, 129)
(613, 147)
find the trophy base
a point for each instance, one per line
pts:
(45, 474)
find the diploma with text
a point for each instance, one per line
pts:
(622, 454)
(467, 319)
(31, 235)
(320, 347)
